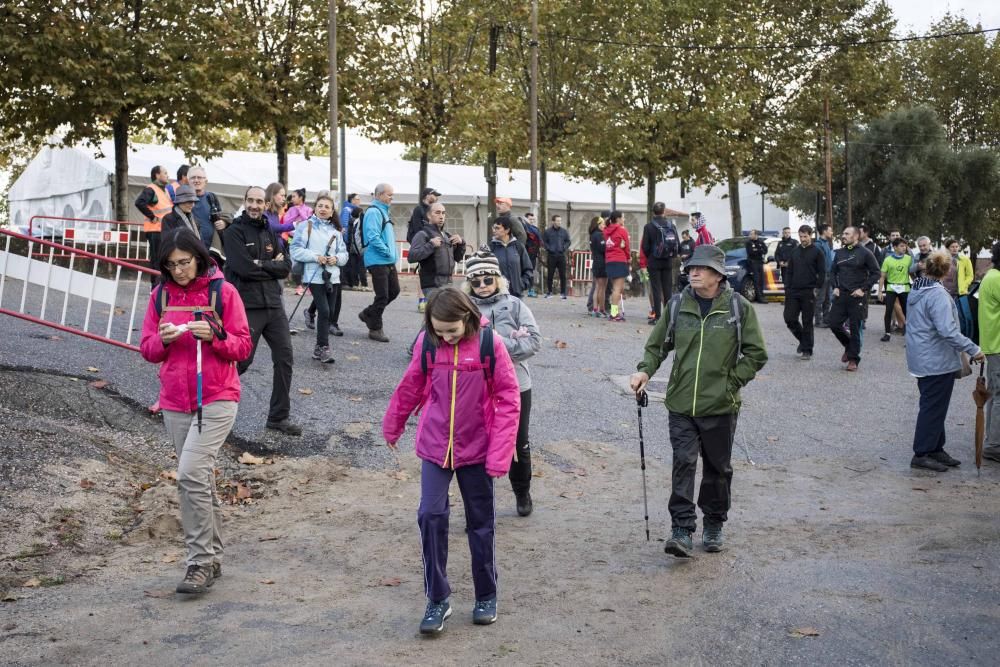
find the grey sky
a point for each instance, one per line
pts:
(917, 15)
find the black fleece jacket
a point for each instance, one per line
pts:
(251, 248)
(806, 267)
(854, 267)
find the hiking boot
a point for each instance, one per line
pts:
(310, 320)
(335, 330)
(217, 570)
(197, 580)
(928, 463)
(434, 617)
(321, 353)
(524, 504)
(485, 612)
(361, 316)
(711, 539)
(806, 356)
(992, 452)
(852, 366)
(651, 320)
(376, 334)
(286, 427)
(885, 338)
(680, 543)
(945, 458)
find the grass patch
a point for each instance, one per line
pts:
(55, 580)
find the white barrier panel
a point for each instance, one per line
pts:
(77, 283)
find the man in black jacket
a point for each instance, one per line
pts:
(660, 245)
(806, 270)
(855, 270)
(783, 251)
(436, 251)
(756, 254)
(557, 244)
(418, 218)
(256, 266)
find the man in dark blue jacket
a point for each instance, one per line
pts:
(557, 244)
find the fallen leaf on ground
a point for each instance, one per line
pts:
(356, 399)
(159, 594)
(306, 391)
(86, 484)
(169, 558)
(772, 438)
(917, 488)
(269, 538)
(803, 632)
(99, 384)
(243, 492)
(170, 475)
(571, 494)
(92, 369)
(353, 357)
(54, 338)
(34, 582)
(10, 597)
(401, 475)
(390, 581)
(561, 344)
(119, 311)
(251, 460)
(537, 473)
(607, 609)
(267, 581)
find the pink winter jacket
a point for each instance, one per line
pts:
(475, 424)
(178, 373)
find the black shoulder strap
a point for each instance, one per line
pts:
(673, 308)
(486, 350)
(427, 352)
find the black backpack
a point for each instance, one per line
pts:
(359, 229)
(665, 247)
(428, 350)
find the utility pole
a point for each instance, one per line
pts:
(343, 162)
(534, 107)
(762, 209)
(491, 157)
(829, 163)
(847, 177)
(334, 120)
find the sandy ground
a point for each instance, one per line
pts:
(830, 535)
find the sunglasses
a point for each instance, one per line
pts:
(479, 282)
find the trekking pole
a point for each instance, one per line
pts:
(642, 400)
(197, 316)
(297, 304)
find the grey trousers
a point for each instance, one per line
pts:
(201, 515)
(992, 408)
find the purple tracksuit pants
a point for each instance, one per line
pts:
(480, 518)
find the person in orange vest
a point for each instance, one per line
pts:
(154, 203)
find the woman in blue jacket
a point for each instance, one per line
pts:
(319, 246)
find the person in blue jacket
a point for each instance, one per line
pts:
(824, 297)
(380, 259)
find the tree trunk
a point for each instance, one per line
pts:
(650, 193)
(543, 193)
(423, 171)
(281, 147)
(734, 202)
(121, 127)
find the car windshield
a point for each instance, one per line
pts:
(734, 248)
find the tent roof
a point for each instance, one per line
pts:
(59, 171)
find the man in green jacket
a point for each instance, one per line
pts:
(710, 366)
(989, 341)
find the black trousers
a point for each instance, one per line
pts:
(823, 302)
(712, 439)
(935, 397)
(272, 324)
(849, 309)
(326, 304)
(757, 270)
(153, 239)
(335, 310)
(556, 263)
(661, 283)
(385, 282)
(890, 302)
(520, 469)
(800, 305)
(354, 273)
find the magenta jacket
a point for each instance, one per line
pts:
(178, 372)
(475, 424)
(296, 214)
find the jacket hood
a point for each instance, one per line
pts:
(922, 288)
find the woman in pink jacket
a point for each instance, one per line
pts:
(195, 313)
(463, 379)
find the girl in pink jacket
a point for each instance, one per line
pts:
(463, 381)
(182, 321)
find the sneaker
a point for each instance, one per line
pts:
(852, 366)
(421, 305)
(197, 580)
(285, 426)
(564, 297)
(310, 320)
(806, 356)
(617, 318)
(928, 463)
(335, 330)
(376, 334)
(885, 338)
(680, 543)
(945, 458)
(992, 452)
(485, 612)
(434, 617)
(711, 539)
(548, 296)
(651, 320)
(217, 570)
(321, 353)
(524, 504)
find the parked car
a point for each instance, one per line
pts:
(738, 269)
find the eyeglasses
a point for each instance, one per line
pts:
(182, 264)
(476, 282)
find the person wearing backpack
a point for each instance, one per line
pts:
(379, 238)
(355, 273)
(462, 381)
(319, 247)
(511, 320)
(196, 329)
(718, 348)
(419, 218)
(660, 244)
(557, 244)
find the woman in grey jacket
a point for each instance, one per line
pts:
(512, 320)
(933, 347)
